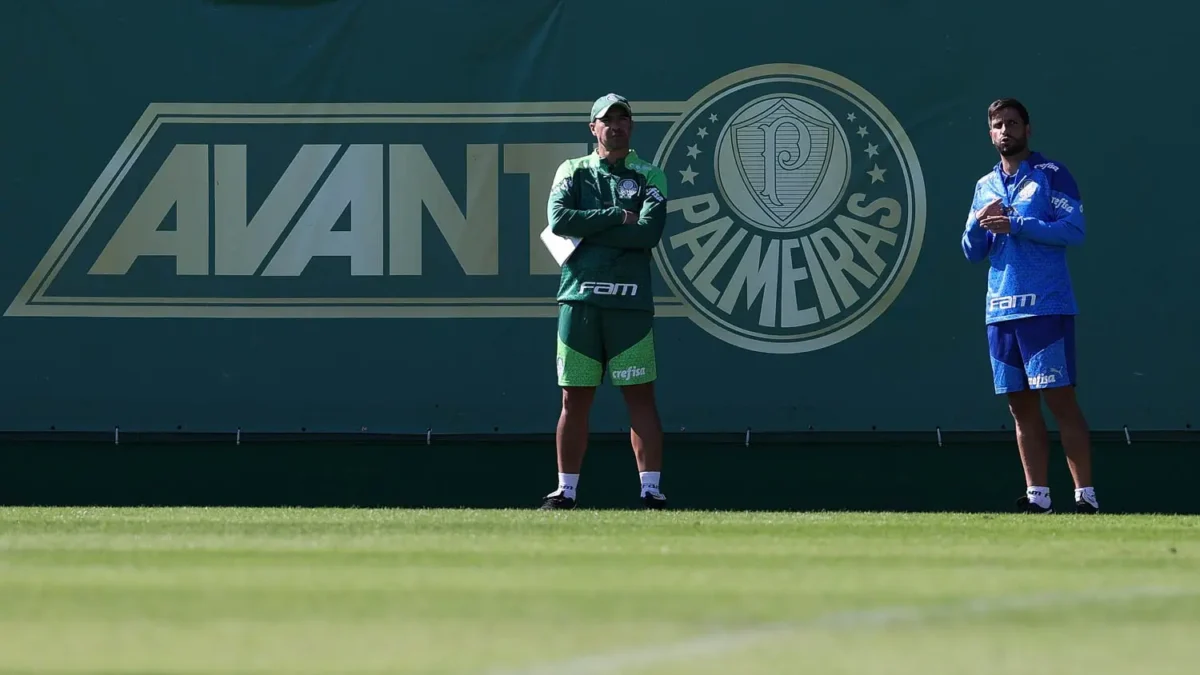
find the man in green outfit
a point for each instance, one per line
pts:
(616, 204)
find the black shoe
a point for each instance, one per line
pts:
(1026, 506)
(653, 501)
(557, 502)
(1083, 506)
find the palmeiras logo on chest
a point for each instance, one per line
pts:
(627, 188)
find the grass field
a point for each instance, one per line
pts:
(194, 591)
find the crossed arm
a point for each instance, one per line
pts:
(611, 226)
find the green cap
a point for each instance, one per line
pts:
(602, 104)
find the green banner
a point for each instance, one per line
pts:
(325, 216)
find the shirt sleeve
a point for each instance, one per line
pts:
(566, 219)
(647, 231)
(976, 241)
(1066, 226)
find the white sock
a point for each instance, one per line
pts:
(1038, 495)
(567, 482)
(650, 482)
(1088, 495)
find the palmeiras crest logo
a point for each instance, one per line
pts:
(796, 208)
(627, 188)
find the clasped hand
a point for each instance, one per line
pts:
(992, 218)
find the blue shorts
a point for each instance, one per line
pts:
(1036, 352)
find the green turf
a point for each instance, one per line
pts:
(354, 591)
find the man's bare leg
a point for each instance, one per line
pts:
(645, 428)
(646, 438)
(571, 438)
(1076, 440)
(1033, 443)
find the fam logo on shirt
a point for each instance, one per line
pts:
(797, 208)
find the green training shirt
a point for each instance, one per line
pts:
(611, 266)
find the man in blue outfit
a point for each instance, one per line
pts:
(1025, 214)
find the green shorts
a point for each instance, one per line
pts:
(590, 338)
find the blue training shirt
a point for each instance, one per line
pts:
(1028, 275)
